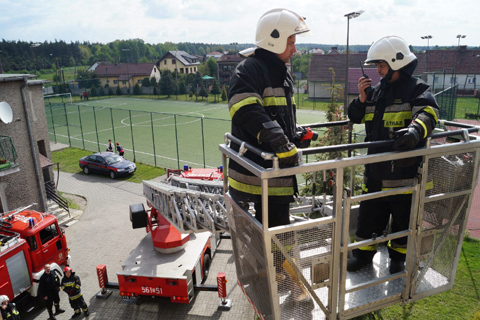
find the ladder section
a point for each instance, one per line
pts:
(188, 210)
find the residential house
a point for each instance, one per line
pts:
(24, 144)
(319, 75)
(216, 55)
(180, 61)
(225, 67)
(449, 67)
(126, 75)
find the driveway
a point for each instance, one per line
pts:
(103, 235)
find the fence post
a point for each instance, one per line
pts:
(131, 132)
(176, 141)
(203, 144)
(53, 124)
(81, 127)
(68, 128)
(113, 129)
(153, 140)
(96, 130)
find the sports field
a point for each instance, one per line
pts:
(166, 133)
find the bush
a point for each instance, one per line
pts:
(136, 89)
(119, 91)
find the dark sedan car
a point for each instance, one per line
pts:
(107, 163)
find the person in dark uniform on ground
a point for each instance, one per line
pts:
(71, 285)
(403, 108)
(110, 145)
(262, 109)
(8, 310)
(49, 288)
(120, 149)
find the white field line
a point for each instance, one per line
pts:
(141, 152)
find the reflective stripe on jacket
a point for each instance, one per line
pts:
(260, 91)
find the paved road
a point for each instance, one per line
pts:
(103, 235)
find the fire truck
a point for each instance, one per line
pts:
(28, 240)
(184, 221)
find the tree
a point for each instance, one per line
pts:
(136, 89)
(333, 136)
(181, 88)
(215, 88)
(101, 91)
(224, 94)
(93, 91)
(203, 92)
(167, 84)
(119, 91)
(212, 67)
(146, 83)
(153, 82)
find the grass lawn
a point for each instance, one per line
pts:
(69, 157)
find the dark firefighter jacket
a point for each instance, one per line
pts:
(389, 108)
(71, 285)
(260, 91)
(10, 313)
(49, 284)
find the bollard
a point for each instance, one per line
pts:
(225, 304)
(102, 281)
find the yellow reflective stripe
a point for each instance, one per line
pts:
(423, 125)
(244, 102)
(428, 187)
(293, 99)
(247, 188)
(367, 117)
(396, 119)
(364, 187)
(401, 250)
(274, 101)
(431, 111)
(287, 154)
(368, 248)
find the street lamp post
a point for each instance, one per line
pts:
(34, 45)
(428, 47)
(349, 16)
(460, 36)
(234, 44)
(108, 85)
(128, 78)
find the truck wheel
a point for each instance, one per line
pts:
(207, 261)
(86, 170)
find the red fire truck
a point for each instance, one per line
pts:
(28, 240)
(173, 260)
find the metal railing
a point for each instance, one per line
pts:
(55, 197)
(7, 152)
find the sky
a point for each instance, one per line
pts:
(227, 21)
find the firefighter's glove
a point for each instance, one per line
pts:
(303, 137)
(408, 138)
(286, 151)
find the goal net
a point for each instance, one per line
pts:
(61, 98)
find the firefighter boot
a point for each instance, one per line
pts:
(304, 296)
(396, 266)
(76, 314)
(50, 313)
(360, 259)
(86, 312)
(58, 310)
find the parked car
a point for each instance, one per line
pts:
(107, 163)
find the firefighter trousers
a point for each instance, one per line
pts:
(374, 216)
(78, 303)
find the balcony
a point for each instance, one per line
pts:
(8, 156)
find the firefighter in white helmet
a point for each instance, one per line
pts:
(8, 311)
(403, 108)
(262, 108)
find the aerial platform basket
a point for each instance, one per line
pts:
(313, 253)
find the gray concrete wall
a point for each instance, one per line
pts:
(21, 187)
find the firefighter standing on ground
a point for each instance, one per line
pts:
(8, 310)
(262, 109)
(49, 288)
(71, 285)
(399, 107)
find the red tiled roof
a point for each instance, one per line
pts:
(230, 58)
(463, 61)
(320, 64)
(134, 69)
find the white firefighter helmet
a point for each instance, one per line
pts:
(274, 28)
(3, 298)
(391, 49)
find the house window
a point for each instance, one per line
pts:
(181, 70)
(186, 70)
(108, 81)
(453, 80)
(139, 81)
(195, 69)
(436, 79)
(174, 61)
(154, 69)
(115, 81)
(165, 62)
(124, 82)
(471, 80)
